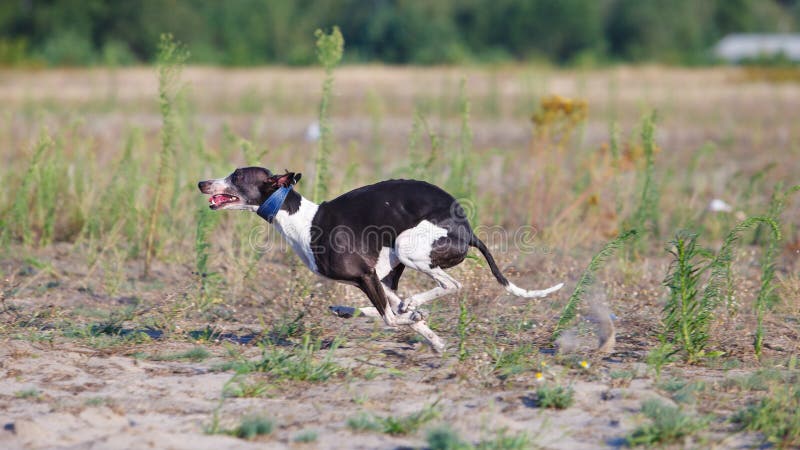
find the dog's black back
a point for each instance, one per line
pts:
(349, 231)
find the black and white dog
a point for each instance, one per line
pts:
(367, 237)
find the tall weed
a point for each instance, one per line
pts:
(18, 223)
(207, 280)
(330, 48)
(118, 201)
(646, 217)
(690, 307)
(171, 58)
(420, 163)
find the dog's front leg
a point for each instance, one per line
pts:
(436, 343)
(346, 312)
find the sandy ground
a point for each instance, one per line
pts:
(167, 405)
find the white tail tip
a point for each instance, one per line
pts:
(519, 292)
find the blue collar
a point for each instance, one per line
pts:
(273, 204)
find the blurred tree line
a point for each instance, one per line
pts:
(250, 32)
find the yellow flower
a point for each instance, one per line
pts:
(585, 364)
(544, 363)
(539, 377)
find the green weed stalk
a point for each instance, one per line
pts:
(587, 278)
(646, 216)
(118, 200)
(330, 48)
(18, 223)
(206, 221)
(688, 312)
(420, 165)
(766, 290)
(49, 185)
(720, 284)
(614, 133)
(171, 58)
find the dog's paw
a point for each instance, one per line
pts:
(437, 345)
(345, 312)
(406, 306)
(416, 316)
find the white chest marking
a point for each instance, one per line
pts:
(296, 229)
(414, 245)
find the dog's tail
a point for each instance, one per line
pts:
(510, 287)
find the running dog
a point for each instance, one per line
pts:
(367, 237)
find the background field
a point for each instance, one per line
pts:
(228, 323)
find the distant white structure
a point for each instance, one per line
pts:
(738, 47)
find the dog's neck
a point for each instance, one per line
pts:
(293, 221)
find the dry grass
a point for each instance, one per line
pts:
(717, 134)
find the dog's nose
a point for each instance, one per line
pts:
(203, 185)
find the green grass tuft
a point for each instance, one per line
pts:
(775, 416)
(363, 422)
(668, 425)
(395, 426)
(195, 354)
(306, 436)
(31, 393)
(298, 365)
(241, 388)
(253, 426)
(444, 438)
(410, 423)
(555, 397)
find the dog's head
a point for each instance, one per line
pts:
(246, 188)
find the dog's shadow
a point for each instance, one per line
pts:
(206, 334)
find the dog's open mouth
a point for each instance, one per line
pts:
(219, 200)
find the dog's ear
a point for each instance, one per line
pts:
(286, 180)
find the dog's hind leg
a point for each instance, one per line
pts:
(431, 249)
(447, 285)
